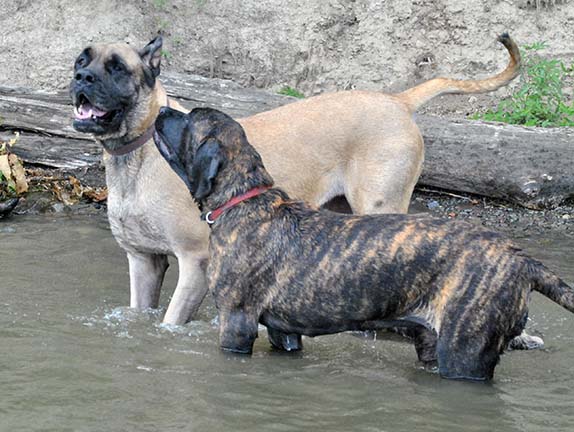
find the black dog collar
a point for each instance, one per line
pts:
(133, 145)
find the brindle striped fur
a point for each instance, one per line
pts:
(300, 271)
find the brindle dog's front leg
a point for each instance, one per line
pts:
(284, 341)
(146, 276)
(237, 330)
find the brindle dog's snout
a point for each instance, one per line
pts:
(171, 140)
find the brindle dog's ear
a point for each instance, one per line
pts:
(151, 57)
(206, 163)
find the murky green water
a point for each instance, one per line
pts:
(72, 359)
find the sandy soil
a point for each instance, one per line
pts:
(310, 45)
(314, 46)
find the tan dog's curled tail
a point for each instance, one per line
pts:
(419, 95)
(550, 285)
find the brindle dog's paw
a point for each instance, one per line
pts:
(526, 342)
(283, 341)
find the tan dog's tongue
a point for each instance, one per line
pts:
(87, 110)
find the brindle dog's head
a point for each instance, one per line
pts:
(113, 86)
(210, 152)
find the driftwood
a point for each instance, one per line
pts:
(533, 167)
(530, 166)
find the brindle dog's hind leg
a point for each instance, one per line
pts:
(284, 341)
(425, 345)
(524, 341)
(470, 355)
(146, 276)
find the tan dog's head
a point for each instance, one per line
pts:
(113, 87)
(210, 153)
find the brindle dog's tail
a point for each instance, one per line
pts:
(550, 285)
(417, 96)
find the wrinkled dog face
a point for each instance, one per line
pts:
(209, 151)
(192, 145)
(110, 82)
(174, 141)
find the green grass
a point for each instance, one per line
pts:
(540, 100)
(160, 4)
(7, 188)
(290, 91)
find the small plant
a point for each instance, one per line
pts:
(540, 101)
(162, 25)
(166, 54)
(290, 91)
(160, 4)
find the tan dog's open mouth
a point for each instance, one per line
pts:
(89, 117)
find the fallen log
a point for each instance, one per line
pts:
(533, 167)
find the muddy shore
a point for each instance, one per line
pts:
(499, 215)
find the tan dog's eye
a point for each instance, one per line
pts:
(83, 59)
(116, 65)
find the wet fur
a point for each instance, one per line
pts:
(300, 271)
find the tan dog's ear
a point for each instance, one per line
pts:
(206, 163)
(151, 55)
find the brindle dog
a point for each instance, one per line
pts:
(300, 271)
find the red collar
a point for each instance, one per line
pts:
(211, 216)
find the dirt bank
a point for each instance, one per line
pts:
(313, 46)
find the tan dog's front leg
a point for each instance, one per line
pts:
(190, 291)
(146, 276)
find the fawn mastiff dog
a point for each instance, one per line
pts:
(300, 271)
(363, 145)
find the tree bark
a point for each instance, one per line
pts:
(533, 167)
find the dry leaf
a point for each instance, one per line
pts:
(18, 174)
(5, 167)
(15, 139)
(97, 195)
(62, 194)
(78, 189)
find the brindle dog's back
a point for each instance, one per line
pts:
(419, 265)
